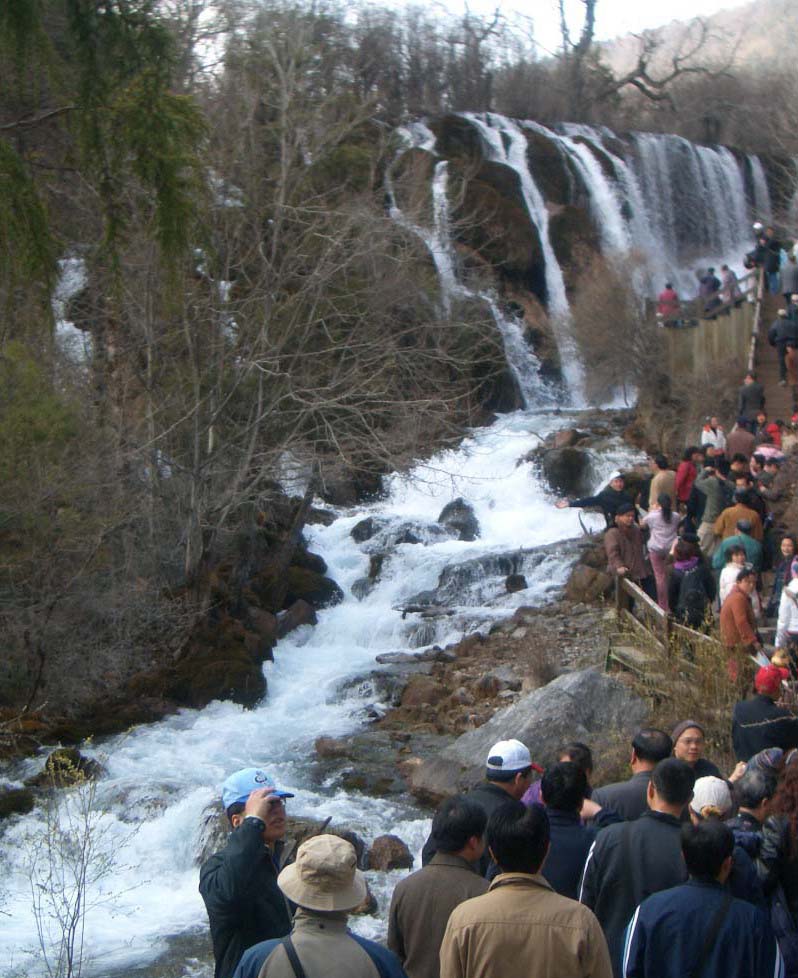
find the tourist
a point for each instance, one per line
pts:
(325, 885)
(608, 500)
(726, 524)
(735, 562)
(759, 425)
(521, 926)
(668, 305)
(686, 473)
(576, 752)
(729, 286)
(625, 550)
(691, 589)
(630, 798)
(239, 883)
(689, 741)
(740, 442)
(777, 863)
(758, 723)
(714, 488)
(750, 398)
(708, 288)
(738, 628)
(787, 621)
(663, 527)
(712, 801)
(742, 538)
(663, 478)
(508, 775)
(698, 928)
(564, 791)
(788, 282)
(752, 793)
(712, 434)
(782, 573)
(783, 335)
(422, 902)
(631, 860)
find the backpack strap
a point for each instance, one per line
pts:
(712, 934)
(293, 957)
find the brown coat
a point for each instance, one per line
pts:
(663, 481)
(420, 909)
(522, 927)
(624, 548)
(726, 523)
(737, 621)
(740, 442)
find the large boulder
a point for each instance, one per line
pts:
(389, 852)
(569, 471)
(588, 705)
(310, 586)
(458, 517)
(300, 613)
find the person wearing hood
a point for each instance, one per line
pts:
(608, 500)
(758, 723)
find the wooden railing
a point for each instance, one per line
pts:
(760, 291)
(750, 286)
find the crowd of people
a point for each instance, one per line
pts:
(676, 870)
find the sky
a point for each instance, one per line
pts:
(613, 17)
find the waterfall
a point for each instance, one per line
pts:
(762, 209)
(506, 143)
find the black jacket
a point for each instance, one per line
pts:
(627, 798)
(778, 860)
(244, 903)
(569, 845)
(627, 863)
(750, 400)
(757, 723)
(489, 797)
(783, 333)
(608, 501)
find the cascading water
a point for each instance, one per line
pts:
(762, 206)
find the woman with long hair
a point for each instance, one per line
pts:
(663, 528)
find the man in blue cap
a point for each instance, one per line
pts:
(239, 883)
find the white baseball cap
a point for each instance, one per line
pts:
(509, 755)
(711, 792)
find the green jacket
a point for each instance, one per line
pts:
(716, 492)
(753, 551)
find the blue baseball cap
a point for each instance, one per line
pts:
(239, 786)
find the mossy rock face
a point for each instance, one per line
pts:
(16, 801)
(239, 680)
(549, 168)
(412, 182)
(307, 585)
(493, 220)
(457, 137)
(66, 767)
(570, 230)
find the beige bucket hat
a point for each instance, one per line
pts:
(325, 875)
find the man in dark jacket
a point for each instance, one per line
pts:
(783, 334)
(757, 723)
(698, 928)
(750, 398)
(752, 794)
(422, 902)
(630, 798)
(508, 775)
(239, 883)
(609, 500)
(629, 861)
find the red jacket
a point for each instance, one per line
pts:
(668, 303)
(685, 477)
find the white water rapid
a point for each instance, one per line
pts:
(160, 778)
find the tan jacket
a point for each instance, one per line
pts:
(420, 909)
(522, 927)
(726, 523)
(663, 481)
(624, 548)
(737, 620)
(324, 949)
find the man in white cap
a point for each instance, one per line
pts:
(609, 500)
(325, 885)
(239, 883)
(508, 775)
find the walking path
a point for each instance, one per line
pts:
(779, 401)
